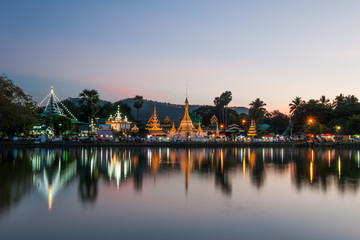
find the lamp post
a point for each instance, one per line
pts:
(337, 128)
(310, 122)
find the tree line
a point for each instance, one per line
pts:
(18, 113)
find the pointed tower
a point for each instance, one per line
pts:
(186, 128)
(154, 125)
(252, 129)
(173, 130)
(54, 106)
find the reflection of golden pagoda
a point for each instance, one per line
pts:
(186, 128)
(117, 122)
(252, 129)
(154, 125)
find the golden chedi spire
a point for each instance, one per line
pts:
(173, 130)
(252, 129)
(186, 128)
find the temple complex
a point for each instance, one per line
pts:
(252, 129)
(154, 126)
(118, 123)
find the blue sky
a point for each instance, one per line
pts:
(274, 50)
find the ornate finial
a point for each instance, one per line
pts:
(52, 90)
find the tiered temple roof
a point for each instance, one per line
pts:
(154, 125)
(117, 122)
(252, 129)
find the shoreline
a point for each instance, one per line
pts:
(355, 145)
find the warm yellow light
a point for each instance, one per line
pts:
(244, 166)
(311, 171)
(50, 197)
(311, 120)
(222, 160)
(243, 121)
(339, 167)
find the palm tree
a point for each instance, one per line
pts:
(138, 103)
(351, 99)
(90, 101)
(222, 101)
(295, 104)
(338, 100)
(257, 109)
(323, 100)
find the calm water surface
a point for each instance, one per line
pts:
(162, 193)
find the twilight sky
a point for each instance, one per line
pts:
(274, 50)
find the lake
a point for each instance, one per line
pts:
(179, 193)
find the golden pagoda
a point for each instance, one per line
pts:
(154, 125)
(172, 130)
(252, 129)
(186, 128)
(199, 130)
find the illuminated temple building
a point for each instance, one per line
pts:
(154, 126)
(118, 123)
(187, 128)
(252, 129)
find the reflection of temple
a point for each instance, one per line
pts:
(52, 180)
(118, 123)
(154, 126)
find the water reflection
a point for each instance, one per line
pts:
(50, 171)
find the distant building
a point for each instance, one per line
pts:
(154, 127)
(117, 123)
(187, 128)
(252, 129)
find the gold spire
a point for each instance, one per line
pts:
(252, 129)
(173, 129)
(186, 125)
(200, 129)
(153, 123)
